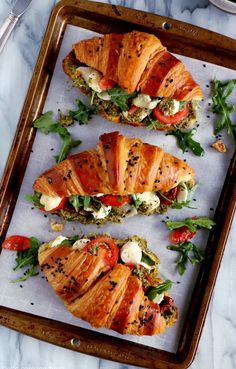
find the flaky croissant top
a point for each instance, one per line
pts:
(118, 165)
(137, 61)
(103, 296)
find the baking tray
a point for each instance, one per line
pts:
(180, 38)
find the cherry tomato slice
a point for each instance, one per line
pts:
(133, 109)
(106, 83)
(171, 119)
(180, 235)
(16, 243)
(171, 195)
(107, 244)
(114, 200)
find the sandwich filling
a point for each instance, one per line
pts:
(102, 208)
(131, 252)
(135, 108)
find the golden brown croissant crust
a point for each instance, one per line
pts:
(105, 296)
(118, 165)
(136, 61)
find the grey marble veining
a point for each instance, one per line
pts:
(217, 348)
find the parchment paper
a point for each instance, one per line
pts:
(36, 296)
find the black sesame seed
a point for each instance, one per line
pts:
(32, 303)
(204, 65)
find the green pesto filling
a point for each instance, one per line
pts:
(111, 109)
(116, 215)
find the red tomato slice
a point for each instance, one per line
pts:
(114, 200)
(133, 109)
(171, 119)
(107, 244)
(180, 235)
(16, 243)
(170, 195)
(106, 83)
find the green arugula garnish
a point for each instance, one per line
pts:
(83, 113)
(46, 125)
(120, 97)
(35, 199)
(136, 201)
(27, 258)
(185, 141)
(188, 251)
(191, 223)
(160, 288)
(147, 260)
(222, 90)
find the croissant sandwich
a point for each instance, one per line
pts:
(133, 79)
(120, 177)
(109, 283)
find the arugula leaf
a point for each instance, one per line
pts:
(26, 258)
(86, 200)
(182, 104)
(29, 273)
(83, 113)
(46, 125)
(120, 97)
(35, 199)
(75, 201)
(191, 223)
(69, 241)
(184, 204)
(185, 141)
(160, 288)
(188, 251)
(153, 123)
(136, 200)
(146, 259)
(222, 90)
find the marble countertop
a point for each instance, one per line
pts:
(217, 348)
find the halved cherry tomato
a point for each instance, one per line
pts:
(106, 83)
(171, 195)
(16, 243)
(114, 200)
(107, 244)
(171, 119)
(133, 109)
(180, 235)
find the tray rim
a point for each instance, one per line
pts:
(52, 330)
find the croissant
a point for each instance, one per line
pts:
(153, 83)
(121, 177)
(86, 275)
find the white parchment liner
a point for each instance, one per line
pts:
(36, 296)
